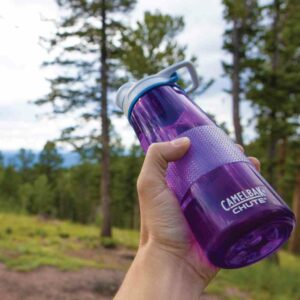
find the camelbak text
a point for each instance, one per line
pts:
(244, 199)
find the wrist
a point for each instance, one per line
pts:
(169, 273)
(163, 272)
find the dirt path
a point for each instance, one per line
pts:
(52, 284)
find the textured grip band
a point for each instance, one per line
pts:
(210, 148)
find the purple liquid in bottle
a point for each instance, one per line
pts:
(234, 214)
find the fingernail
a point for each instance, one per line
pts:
(180, 141)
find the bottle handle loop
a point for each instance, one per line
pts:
(168, 72)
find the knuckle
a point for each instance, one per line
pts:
(255, 162)
(153, 149)
(258, 163)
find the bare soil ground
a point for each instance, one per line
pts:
(52, 284)
(48, 283)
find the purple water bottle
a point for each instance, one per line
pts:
(234, 214)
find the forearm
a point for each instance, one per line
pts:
(155, 274)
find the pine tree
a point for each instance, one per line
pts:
(25, 197)
(150, 44)
(84, 183)
(274, 84)
(42, 197)
(49, 162)
(8, 187)
(291, 159)
(25, 162)
(275, 93)
(240, 39)
(86, 38)
(125, 171)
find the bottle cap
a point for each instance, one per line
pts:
(129, 93)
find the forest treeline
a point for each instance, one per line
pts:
(40, 185)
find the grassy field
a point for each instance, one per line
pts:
(29, 242)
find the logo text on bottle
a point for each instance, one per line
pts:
(244, 199)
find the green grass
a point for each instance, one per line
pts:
(29, 242)
(263, 281)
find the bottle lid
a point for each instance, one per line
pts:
(129, 93)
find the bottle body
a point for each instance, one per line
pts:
(234, 214)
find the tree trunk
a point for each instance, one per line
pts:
(273, 138)
(294, 244)
(271, 153)
(281, 165)
(236, 83)
(105, 175)
(274, 61)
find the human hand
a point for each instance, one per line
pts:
(172, 260)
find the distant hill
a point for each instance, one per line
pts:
(69, 158)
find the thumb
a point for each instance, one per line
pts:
(156, 162)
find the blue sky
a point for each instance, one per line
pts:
(21, 23)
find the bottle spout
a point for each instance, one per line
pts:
(122, 94)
